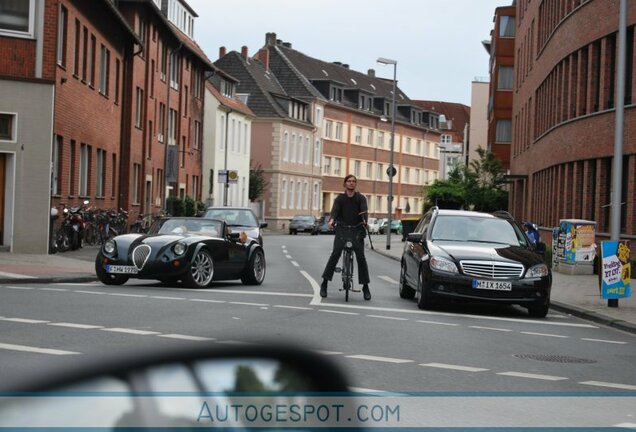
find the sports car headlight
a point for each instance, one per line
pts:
(443, 264)
(539, 270)
(179, 248)
(109, 246)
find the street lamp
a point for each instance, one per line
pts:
(390, 170)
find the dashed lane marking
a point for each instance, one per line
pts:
(389, 280)
(607, 384)
(127, 295)
(131, 331)
(20, 288)
(186, 337)
(54, 289)
(89, 292)
(437, 323)
(532, 376)
(166, 298)
(288, 256)
(24, 320)
(328, 353)
(293, 307)
(388, 317)
(454, 367)
(37, 350)
(604, 341)
(16, 275)
(77, 326)
(207, 300)
(544, 334)
(490, 328)
(249, 304)
(338, 312)
(226, 291)
(626, 425)
(378, 359)
(295, 264)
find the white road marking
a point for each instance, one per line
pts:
(328, 353)
(249, 304)
(626, 425)
(604, 341)
(557, 316)
(24, 320)
(365, 390)
(544, 334)
(166, 298)
(89, 292)
(295, 264)
(185, 337)
(612, 385)
(16, 275)
(457, 315)
(225, 291)
(388, 317)
(454, 367)
(490, 328)
(235, 342)
(208, 301)
(378, 359)
(20, 288)
(74, 325)
(533, 376)
(293, 307)
(288, 256)
(131, 331)
(437, 323)
(338, 312)
(79, 284)
(53, 289)
(36, 350)
(316, 299)
(127, 295)
(388, 279)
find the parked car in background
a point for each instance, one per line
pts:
(473, 256)
(374, 225)
(239, 219)
(323, 227)
(396, 226)
(303, 223)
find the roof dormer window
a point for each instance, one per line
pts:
(227, 88)
(336, 94)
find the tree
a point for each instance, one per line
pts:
(258, 183)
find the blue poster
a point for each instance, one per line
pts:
(615, 270)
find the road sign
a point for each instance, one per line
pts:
(232, 176)
(391, 171)
(222, 176)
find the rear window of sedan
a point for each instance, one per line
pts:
(476, 229)
(303, 219)
(233, 217)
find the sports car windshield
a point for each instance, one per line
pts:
(233, 216)
(186, 226)
(476, 229)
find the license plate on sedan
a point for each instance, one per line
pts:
(492, 285)
(121, 269)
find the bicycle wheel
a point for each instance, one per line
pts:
(347, 272)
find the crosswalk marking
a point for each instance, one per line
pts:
(37, 350)
(454, 367)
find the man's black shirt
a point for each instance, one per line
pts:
(346, 210)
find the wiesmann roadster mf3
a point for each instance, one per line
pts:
(195, 251)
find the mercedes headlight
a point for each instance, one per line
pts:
(443, 264)
(109, 246)
(179, 248)
(539, 270)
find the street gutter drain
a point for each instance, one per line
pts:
(554, 358)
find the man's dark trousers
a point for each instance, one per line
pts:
(358, 247)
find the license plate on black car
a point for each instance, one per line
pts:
(492, 285)
(121, 269)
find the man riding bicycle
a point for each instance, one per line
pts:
(349, 209)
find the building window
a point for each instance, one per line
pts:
(504, 81)
(378, 174)
(100, 177)
(197, 134)
(292, 194)
(104, 76)
(62, 32)
(91, 74)
(327, 166)
(172, 127)
(407, 175)
(84, 53)
(84, 169)
(306, 195)
(56, 168)
(504, 131)
(7, 127)
(299, 203)
(135, 186)
(292, 148)
(369, 173)
(339, 131)
(358, 135)
(506, 26)
(380, 139)
(318, 117)
(117, 81)
(139, 107)
(370, 137)
(356, 168)
(317, 153)
(408, 145)
(159, 196)
(286, 146)
(337, 165)
(446, 139)
(164, 62)
(328, 129)
(174, 70)
(17, 17)
(76, 54)
(314, 197)
(283, 194)
(161, 121)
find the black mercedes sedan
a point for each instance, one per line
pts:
(195, 251)
(473, 256)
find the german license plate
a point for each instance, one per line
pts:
(492, 285)
(121, 269)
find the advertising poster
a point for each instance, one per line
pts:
(615, 270)
(579, 245)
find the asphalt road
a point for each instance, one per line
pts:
(386, 344)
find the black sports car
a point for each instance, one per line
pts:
(195, 251)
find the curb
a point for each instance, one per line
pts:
(568, 308)
(43, 280)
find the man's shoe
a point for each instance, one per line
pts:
(365, 292)
(323, 288)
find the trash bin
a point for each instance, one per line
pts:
(408, 226)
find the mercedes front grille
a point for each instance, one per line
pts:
(491, 269)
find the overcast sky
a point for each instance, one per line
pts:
(437, 43)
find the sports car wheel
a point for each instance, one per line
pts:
(201, 271)
(406, 292)
(107, 278)
(255, 272)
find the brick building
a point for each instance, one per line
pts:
(564, 113)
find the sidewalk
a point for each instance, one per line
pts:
(576, 295)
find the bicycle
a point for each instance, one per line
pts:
(349, 234)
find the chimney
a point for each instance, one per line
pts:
(270, 38)
(263, 57)
(287, 44)
(244, 51)
(222, 52)
(346, 66)
(278, 41)
(371, 73)
(338, 63)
